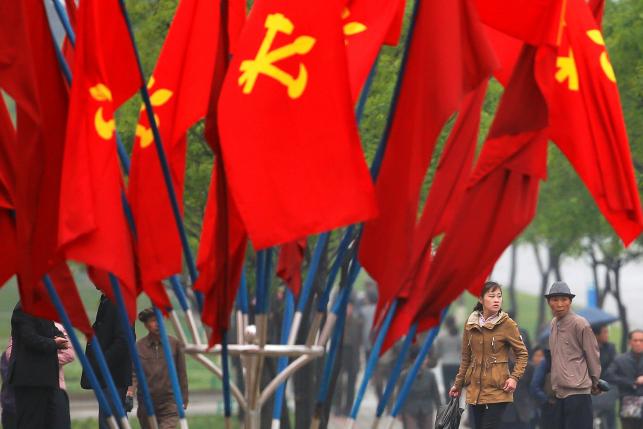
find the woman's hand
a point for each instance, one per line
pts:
(454, 392)
(510, 385)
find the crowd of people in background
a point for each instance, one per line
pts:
(575, 378)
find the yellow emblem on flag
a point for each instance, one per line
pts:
(104, 127)
(264, 62)
(596, 37)
(158, 98)
(351, 28)
(567, 71)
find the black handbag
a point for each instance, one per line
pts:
(448, 416)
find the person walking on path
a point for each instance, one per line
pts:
(627, 373)
(575, 361)
(489, 335)
(155, 367)
(448, 349)
(33, 369)
(423, 398)
(605, 403)
(111, 337)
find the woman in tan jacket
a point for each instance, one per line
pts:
(488, 336)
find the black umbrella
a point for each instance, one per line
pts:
(595, 316)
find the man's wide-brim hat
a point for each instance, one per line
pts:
(559, 289)
(146, 314)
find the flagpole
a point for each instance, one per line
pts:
(131, 343)
(225, 366)
(371, 364)
(411, 376)
(395, 374)
(158, 144)
(87, 367)
(64, 20)
(282, 363)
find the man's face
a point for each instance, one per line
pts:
(559, 305)
(603, 335)
(152, 326)
(636, 342)
(538, 357)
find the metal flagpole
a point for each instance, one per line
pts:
(371, 364)
(87, 367)
(410, 378)
(395, 374)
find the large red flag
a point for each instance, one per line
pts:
(499, 203)
(92, 225)
(223, 237)
(431, 92)
(8, 247)
(366, 26)
(587, 121)
(291, 257)
(180, 89)
(290, 145)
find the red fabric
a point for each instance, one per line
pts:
(536, 22)
(395, 31)
(68, 49)
(223, 241)
(7, 146)
(222, 251)
(507, 49)
(278, 140)
(179, 90)
(366, 24)
(291, 257)
(502, 195)
(587, 121)
(92, 225)
(236, 19)
(30, 74)
(431, 92)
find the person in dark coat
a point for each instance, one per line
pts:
(7, 397)
(605, 403)
(543, 394)
(424, 397)
(33, 369)
(113, 342)
(626, 372)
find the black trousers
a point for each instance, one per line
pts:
(487, 416)
(35, 407)
(574, 412)
(62, 419)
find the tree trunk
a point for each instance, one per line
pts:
(544, 280)
(622, 310)
(594, 266)
(513, 299)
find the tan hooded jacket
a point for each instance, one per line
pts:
(485, 358)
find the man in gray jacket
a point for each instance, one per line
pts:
(575, 361)
(627, 373)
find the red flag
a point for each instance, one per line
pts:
(7, 146)
(431, 92)
(179, 88)
(395, 31)
(291, 257)
(534, 21)
(30, 74)
(289, 139)
(68, 49)
(366, 24)
(222, 251)
(499, 203)
(223, 237)
(92, 225)
(587, 121)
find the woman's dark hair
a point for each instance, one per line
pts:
(487, 287)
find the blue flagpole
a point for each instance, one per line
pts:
(242, 293)
(419, 360)
(109, 381)
(187, 253)
(64, 20)
(87, 367)
(372, 360)
(397, 370)
(282, 363)
(131, 343)
(171, 366)
(225, 369)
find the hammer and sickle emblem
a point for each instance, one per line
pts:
(353, 27)
(104, 127)
(264, 62)
(596, 37)
(567, 71)
(158, 98)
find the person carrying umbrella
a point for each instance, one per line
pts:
(575, 361)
